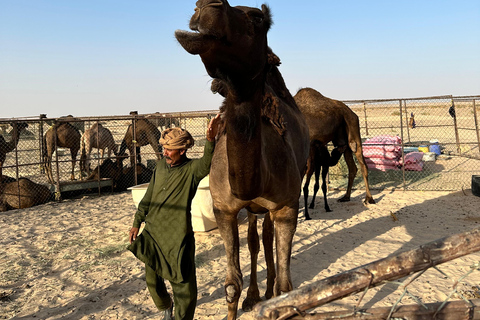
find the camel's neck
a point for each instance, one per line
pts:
(244, 147)
(12, 144)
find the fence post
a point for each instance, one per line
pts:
(15, 126)
(457, 138)
(476, 124)
(406, 120)
(134, 144)
(58, 194)
(40, 144)
(365, 113)
(98, 157)
(401, 136)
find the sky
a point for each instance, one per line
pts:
(110, 57)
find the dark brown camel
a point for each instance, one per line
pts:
(6, 147)
(122, 177)
(331, 120)
(319, 160)
(145, 133)
(261, 154)
(23, 194)
(64, 135)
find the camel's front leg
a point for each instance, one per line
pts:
(253, 295)
(285, 221)
(227, 225)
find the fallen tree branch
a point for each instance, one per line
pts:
(454, 310)
(370, 275)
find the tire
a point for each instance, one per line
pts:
(476, 185)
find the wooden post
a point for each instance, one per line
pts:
(403, 143)
(134, 143)
(368, 276)
(365, 114)
(476, 123)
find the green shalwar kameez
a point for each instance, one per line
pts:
(167, 244)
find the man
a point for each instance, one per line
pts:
(167, 243)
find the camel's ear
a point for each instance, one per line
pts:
(267, 16)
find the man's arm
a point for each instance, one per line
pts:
(203, 164)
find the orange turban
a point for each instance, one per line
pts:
(176, 138)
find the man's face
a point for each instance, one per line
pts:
(173, 157)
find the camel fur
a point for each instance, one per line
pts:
(261, 153)
(332, 121)
(7, 147)
(145, 133)
(22, 194)
(97, 136)
(61, 134)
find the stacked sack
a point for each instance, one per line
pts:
(385, 153)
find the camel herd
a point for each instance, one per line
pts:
(269, 141)
(66, 133)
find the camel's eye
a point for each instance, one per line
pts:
(257, 18)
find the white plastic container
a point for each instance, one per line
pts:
(429, 156)
(203, 218)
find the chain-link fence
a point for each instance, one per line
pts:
(48, 152)
(71, 155)
(417, 144)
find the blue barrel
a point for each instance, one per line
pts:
(435, 147)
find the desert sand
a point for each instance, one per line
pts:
(68, 260)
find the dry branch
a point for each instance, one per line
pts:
(454, 310)
(369, 275)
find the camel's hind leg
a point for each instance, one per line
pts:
(364, 169)
(253, 295)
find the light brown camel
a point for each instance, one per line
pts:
(145, 133)
(261, 154)
(23, 194)
(97, 136)
(61, 134)
(331, 120)
(6, 147)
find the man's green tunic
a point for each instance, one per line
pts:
(167, 242)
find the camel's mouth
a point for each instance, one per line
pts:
(194, 42)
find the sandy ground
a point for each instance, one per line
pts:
(68, 260)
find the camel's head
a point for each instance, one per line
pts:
(232, 41)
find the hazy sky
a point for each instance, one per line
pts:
(109, 57)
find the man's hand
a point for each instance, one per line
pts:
(133, 234)
(212, 129)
